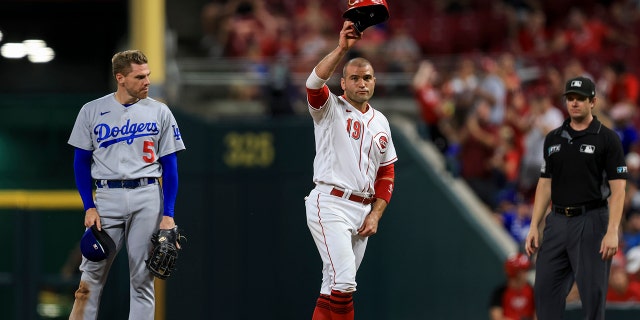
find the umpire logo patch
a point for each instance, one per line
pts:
(587, 148)
(553, 149)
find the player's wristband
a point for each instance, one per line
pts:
(384, 189)
(315, 82)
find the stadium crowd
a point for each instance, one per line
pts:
(490, 122)
(488, 77)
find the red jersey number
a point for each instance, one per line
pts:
(148, 149)
(354, 128)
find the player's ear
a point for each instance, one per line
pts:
(120, 78)
(342, 83)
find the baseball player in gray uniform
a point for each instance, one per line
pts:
(353, 172)
(125, 142)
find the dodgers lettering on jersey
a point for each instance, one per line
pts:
(350, 145)
(107, 135)
(126, 141)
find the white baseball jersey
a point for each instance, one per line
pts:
(350, 145)
(126, 141)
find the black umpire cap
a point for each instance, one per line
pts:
(582, 86)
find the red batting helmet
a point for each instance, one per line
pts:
(516, 263)
(365, 13)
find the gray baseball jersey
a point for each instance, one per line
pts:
(126, 141)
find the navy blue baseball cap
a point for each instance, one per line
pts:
(582, 86)
(96, 245)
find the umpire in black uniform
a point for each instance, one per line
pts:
(584, 177)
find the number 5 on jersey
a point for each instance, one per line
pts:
(148, 149)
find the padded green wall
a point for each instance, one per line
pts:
(249, 254)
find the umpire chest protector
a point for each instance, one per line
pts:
(580, 163)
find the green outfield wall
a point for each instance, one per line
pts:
(249, 254)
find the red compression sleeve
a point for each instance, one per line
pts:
(318, 97)
(384, 182)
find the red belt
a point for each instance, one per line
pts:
(353, 197)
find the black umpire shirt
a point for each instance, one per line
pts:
(580, 163)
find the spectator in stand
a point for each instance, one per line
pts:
(518, 118)
(633, 264)
(505, 164)
(499, 25)
(279, 92)
(552, 82)
(233, 28)
(545, 117)
(312, 16)
(586, 36)
(506, 160)
(575, 68)
(315, 44)
(513, 300)
(631, 229)
(285, 45)
(430, 104)
(213, 17)
(621, 115)
(632, 196)
(462, 85)
(478, 140)
(373, 44)
(515, 218)
(492, 89)
(621, 288)
(533, 36)
(251, 28)
(633, 165)
(623, 15)
(508, 73)
(401, 51)
(459, 91)
(619, 84)
(314, 36)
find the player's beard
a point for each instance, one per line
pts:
(359, 98)
(139, 94)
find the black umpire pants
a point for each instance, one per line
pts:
(570, 251)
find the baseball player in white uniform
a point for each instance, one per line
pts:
(124, 143)
(353, 173)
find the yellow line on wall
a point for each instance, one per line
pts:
(40, 199)
(64, 200)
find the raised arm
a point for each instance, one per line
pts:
(348, 37)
